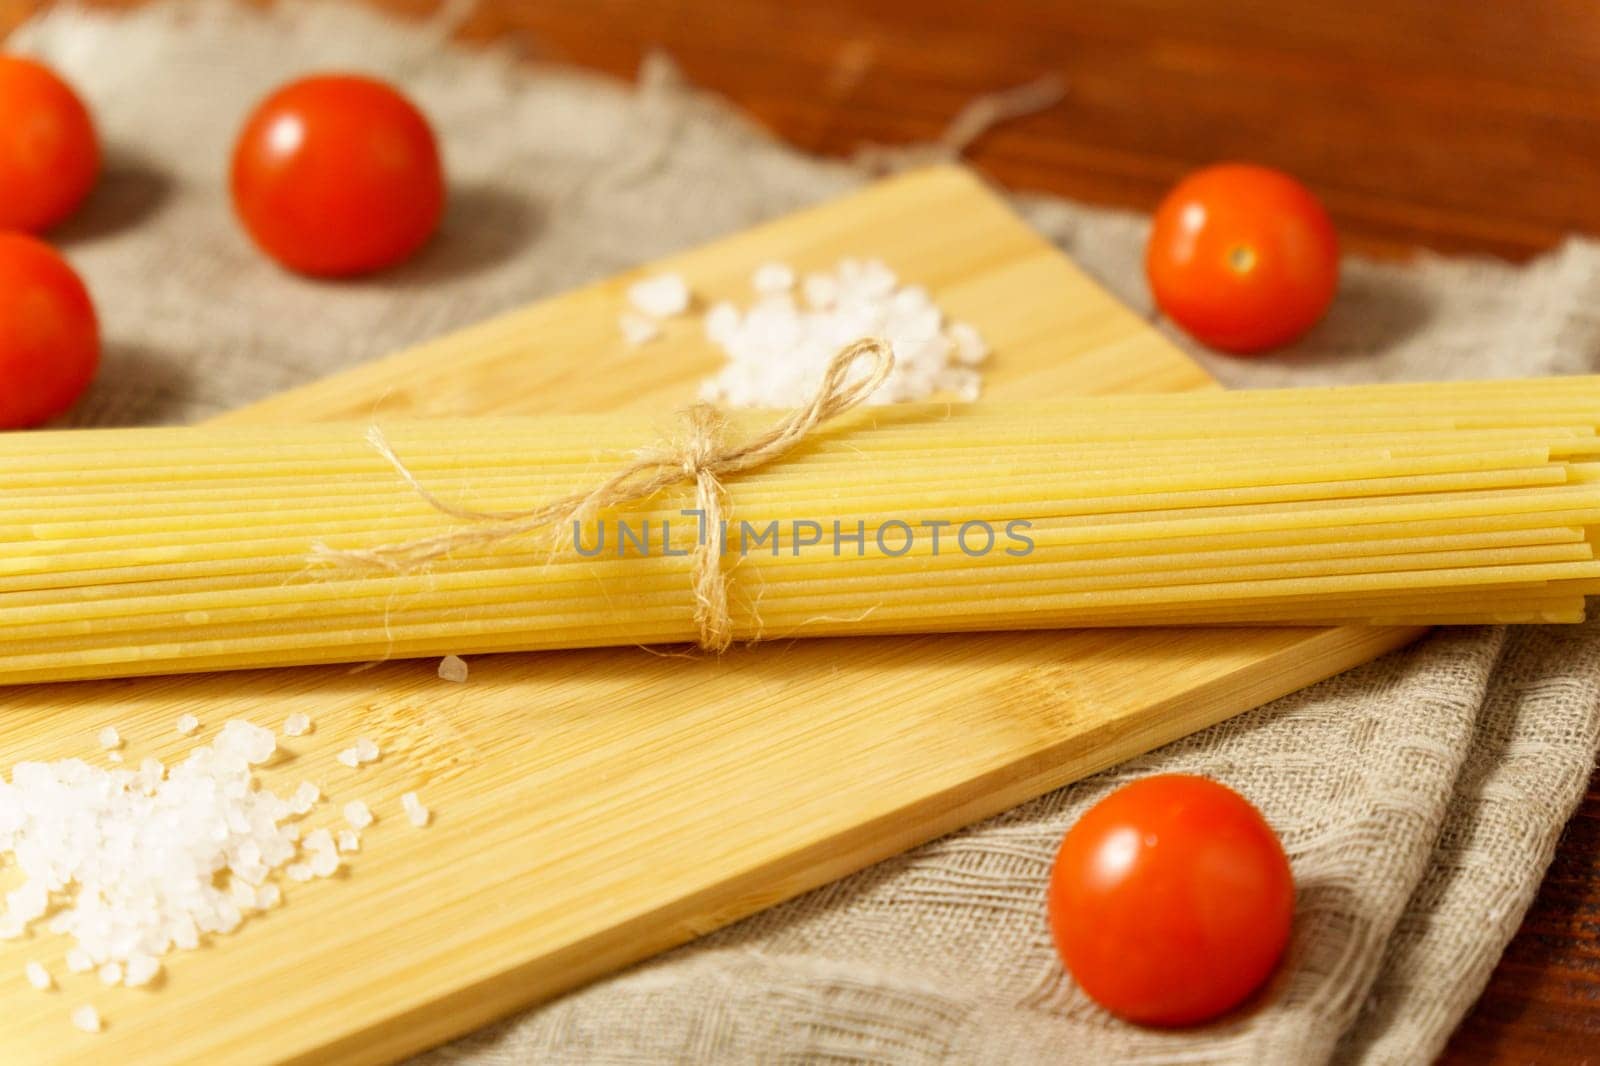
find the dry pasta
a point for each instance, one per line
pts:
(126, 552)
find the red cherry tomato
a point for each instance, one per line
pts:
(48, 152)
(1170, 900)
(1244, 258)
(338, 175)
(49, 338)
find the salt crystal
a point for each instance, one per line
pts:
(358, 814)
(298, 871)
(453, 668)
(110, 739)
(141, 970)
(416, 813)
(115, 756)
(78, 961)
(251, 742)
(771, 278)
(721, 322)
(366, 750)
(111, 974)
(325, 863)
(821, 291)
(970, 347)
(349, 840)
(349, 757)
(268, 896)
(637, 329)
(296, 725)
(39, 977)
(318, 840)
(305, 797)
(243, 893)
(86, 1018)
(187, 724)
(662, 296)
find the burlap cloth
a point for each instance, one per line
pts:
(1420, 797)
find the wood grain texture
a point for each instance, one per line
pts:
(1458, 126)
(596, 807)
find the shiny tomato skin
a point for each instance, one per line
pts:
(1170, 900)
(49, 336)
(337, 175)
(49, 154)
(1244, 258)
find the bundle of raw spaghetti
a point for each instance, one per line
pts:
(165, 550)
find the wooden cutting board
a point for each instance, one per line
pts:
(592, 808)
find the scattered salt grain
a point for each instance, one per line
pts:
(349, 840)
(771, 279)
(141, 970)
(971, 349)
(453, 668)
(39, 977)
(820, 290)
(358, 814)
(662, 296)
(416, 813)
(298, 871)
(86, 1018)
(187, 724)
(325, 860)
(296, 725)
(251, 742)
(114, 756)
(268, 897)
(349, 757)
(110, 739)
(243, 893)
(366, 750)
(637, 329)
(304, 798)
(79, 961)
(111, 974)
(777, 349)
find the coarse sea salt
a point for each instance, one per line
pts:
(187, 724)
(86, 1019)
(296, 725)
(366, 750)
(39, 977)
(141, 970)
(638, 329)
(453, 668)
(110, 739)
(133, 864)
(358, 814)
(304, 798)
(779, 347)
(416, 813)
(661, 296)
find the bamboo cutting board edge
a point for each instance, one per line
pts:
(909, 737)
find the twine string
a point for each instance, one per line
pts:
(703, 459)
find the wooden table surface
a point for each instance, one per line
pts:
(1463, 127)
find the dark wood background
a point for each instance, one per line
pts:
(1457, 125)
